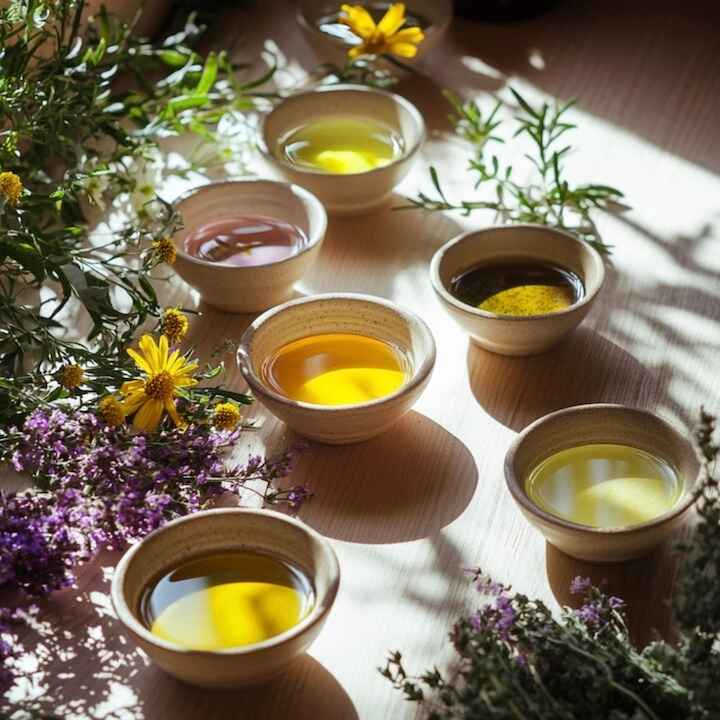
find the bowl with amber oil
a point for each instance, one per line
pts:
(338, 368)
(226, 598)
(517, 289)
(350, 145)
(331, 39)
(245, 243)
(603, 483)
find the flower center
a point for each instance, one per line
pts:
(160, 386)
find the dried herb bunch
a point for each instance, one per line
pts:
(548, 199)
(515, 660)
(83, 104)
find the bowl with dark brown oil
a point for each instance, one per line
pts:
(517, 289)
(226, 598)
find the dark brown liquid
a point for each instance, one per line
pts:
(521, 288)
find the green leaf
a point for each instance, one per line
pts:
(27, 256)
(209, 75)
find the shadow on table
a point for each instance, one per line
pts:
(628, 580)
(585, 368)
(403, 485)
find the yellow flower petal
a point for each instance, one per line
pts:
(133, 402)
(132, 386)
(150, 350)
(405, 50)
(185, 382)
(359, 21)
(173, 413)
(393, 20)
(139, 360)
(148, 416)
(163, 351)
(412, 35)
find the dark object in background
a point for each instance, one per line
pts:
(499, 10)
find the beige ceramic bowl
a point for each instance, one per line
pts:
(516, 335)
(438, 13)
(338, 313)
(255, 288)
(213, 531)
(357, 192)
(601, 423)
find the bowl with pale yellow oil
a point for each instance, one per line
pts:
(338, 368)
(350, 145)
(517, 289)
(603, 482)
(226, 598)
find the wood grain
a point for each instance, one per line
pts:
(409, 510)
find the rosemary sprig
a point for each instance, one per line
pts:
(548, 199)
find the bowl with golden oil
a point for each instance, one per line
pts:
(603, 482)
(517, 289)
(348, 144)
(338, 368)
(226, 598)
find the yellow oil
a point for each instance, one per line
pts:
(604, 485)
(227, 600)
(336, 369)
(342, 144)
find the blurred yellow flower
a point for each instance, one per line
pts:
(71, 376)
(165, 250)
(111, 411)
(11, 187)
(383, 37)
(150, 396)
(226, 416)
(174, 325)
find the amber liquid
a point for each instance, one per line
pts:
(336, 369)
(604, 485)
(227, 600)
(518, 288)
(245, 240)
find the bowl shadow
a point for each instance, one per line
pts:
(404, 485)
(630, 581)
(585, 368)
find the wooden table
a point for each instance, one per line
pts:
(409, 510)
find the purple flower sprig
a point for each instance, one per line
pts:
(101, 486)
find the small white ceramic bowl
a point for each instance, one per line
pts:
(253, 288)
(357, 192)
(213, 531)
(601, 423)
(338, 313)
(438, 13)
(508, 335)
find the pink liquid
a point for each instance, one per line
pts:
(245, 240)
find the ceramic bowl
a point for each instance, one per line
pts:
(338, 313)
(253, 288)
(601, 423)
(438, 13)
(357, 192)
(504, 334)
(214, 531)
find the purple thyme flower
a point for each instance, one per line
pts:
(580, 585)
(590, 613)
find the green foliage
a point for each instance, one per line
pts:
(83, 107)
(549, 199)
(514, 660)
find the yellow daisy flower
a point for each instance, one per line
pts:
(11, 187)
(383, 37)
(174, 325)
(226, 416)
(147, 398)
(71, 376)
(111, 411)
(165, 250)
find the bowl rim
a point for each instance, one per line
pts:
(128, 618)
(441, 289)
(434, 28)
(307, 197)
(420, 373)
(517, 489)
(343, 87)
